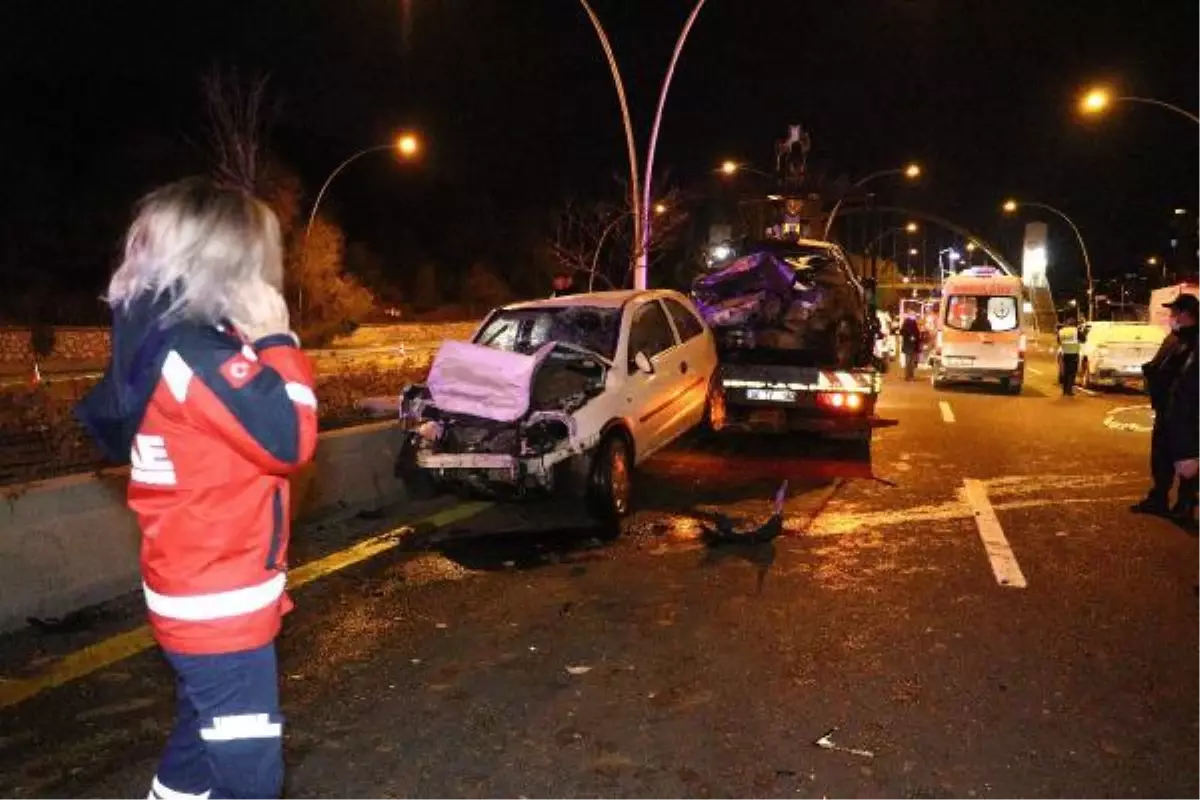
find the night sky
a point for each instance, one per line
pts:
(517, 109)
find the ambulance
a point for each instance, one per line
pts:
(980, 330)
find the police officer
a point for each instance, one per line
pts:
(1167, 376)
(1068, 348)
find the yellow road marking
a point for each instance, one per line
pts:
(117, 648)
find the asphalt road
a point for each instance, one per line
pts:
(971, 606)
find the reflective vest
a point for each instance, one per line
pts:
(1068, 340)
(225, 425)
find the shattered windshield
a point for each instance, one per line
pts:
(525, 330)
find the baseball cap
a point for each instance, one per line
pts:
(1186, 303)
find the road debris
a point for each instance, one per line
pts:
(725, 534)
(826, 743)
(579, 670)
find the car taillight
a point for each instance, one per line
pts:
(840, 401)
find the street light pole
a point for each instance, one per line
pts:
(1098, 99)
(1170, 106)
(640, 200)
(1012, 205)
(627, 121)
(407, 145)
(643, 260)
(912, 170)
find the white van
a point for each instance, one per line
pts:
(980, 330)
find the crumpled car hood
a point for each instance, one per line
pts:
(483, 381)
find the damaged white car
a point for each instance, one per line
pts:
(561, 397)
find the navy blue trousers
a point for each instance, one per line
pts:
(228, 736)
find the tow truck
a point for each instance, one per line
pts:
(795, 331)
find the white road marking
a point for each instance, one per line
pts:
(999, 553)
(1088, 392)
(947, 412)
(1034, 370)
(1111, 421)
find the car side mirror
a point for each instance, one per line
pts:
(642, 361)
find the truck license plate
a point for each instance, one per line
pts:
(959, 361)
(771, 395)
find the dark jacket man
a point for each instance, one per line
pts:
(1170, 381)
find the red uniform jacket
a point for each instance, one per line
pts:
(224, 424)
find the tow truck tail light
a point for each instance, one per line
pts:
(840, 401)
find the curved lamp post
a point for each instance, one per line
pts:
(1011, 206)
(407, 145)
(729, 168)
(630, 144)
(1098, 100)
(910, 171)
(640, 199)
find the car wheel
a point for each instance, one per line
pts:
(610, 488)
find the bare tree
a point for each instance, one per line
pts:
(238, 118)
(237, 123)
(596, 239)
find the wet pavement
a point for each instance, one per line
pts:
(517, 652)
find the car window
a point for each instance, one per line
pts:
(982, 314)
(525, 330)
(685, 321)
(650, 333)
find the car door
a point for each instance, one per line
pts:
(698, 362)
(651, 396)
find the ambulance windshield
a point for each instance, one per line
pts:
(982, 314)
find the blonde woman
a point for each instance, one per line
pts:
(210, 399)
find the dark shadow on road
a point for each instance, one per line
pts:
(760, 556)
(733, 468)
(493, 551)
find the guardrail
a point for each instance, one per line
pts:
(70, 542)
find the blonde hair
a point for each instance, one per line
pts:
(209, 248)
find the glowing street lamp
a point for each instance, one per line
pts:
(1099, 99)
(912, 251)
(1095, 100)
(660, 209)
(911, 227)
(1012, 206)
(1152, 261)
(729, 167)
(408, 145)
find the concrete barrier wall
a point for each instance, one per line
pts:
(71, 542)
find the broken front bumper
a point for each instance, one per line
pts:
(497, 474)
